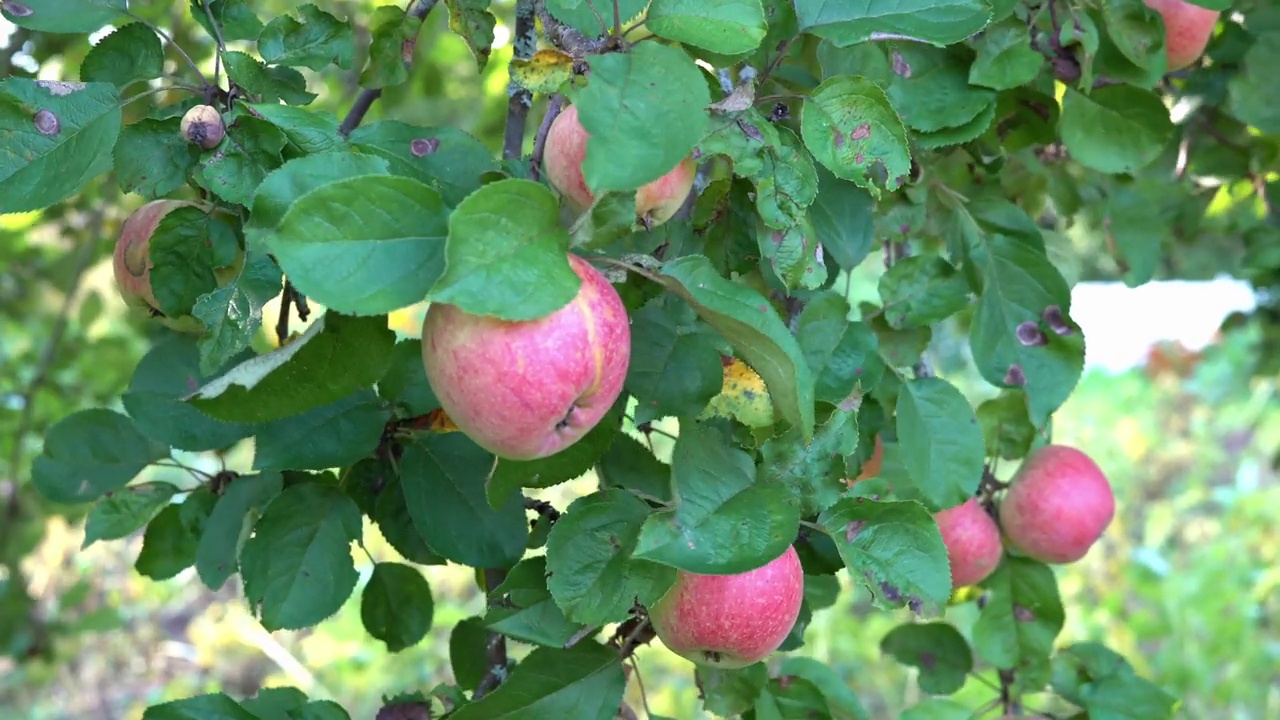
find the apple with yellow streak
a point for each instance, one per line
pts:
(524, 390)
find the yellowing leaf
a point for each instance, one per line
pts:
(545, 72)
(743, 397)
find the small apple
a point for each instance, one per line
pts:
(528, 389)
(202, 125)
(132, 265)
(1057, 506)
(566, 148)
(731, 621)
(1187, 29)
(973, 542)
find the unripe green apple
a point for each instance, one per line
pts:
(132, 265)
(564, 152)
(731, 621)
(528, 389)
(1058, 504)
(1187, 30)
(973, 542)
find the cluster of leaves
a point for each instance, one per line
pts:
(961, 138)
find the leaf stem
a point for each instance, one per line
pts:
(156, 90)
(644, 697)
(169, 39)
(417, 11)
(783, 48)
(631, 267)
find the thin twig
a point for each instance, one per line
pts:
(543, 508)
(604, 27)
(784, 47)
(644, 697)
(540, 140)
(496, 646)
(155, 91)
(417, 11)
(630, 267)
(169, 39)
(617, 18)
(519, 99)
(217, 32)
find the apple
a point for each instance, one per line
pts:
(202, 125)
(731, 621)
(1057, 506)
(1187, 29)
(974, 546)
(566, 148)
(132, 265)
(528, 389)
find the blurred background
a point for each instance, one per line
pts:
(1183, 418)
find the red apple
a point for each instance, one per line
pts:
(528, 389)
(973, 542)
(566, 148)
(1187, 29)
(1057, 506)
(132, 263)
(731, 621)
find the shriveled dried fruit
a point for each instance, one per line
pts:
(203, 126)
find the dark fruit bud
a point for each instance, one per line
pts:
(203, 126)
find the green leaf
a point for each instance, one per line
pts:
(794, 256)
(1102, 682)
(121, 512)
(472, 21)
(336, 356)
(374, 485)
(630, 465)
(1251, 92)
(396, 606)
(152, 158)
(921, 290)
(329, 436)
(1022, 617)
(586, 17)
(841, 700)
(1007, 431)
(235, 18)
(506, 254)
(938, 709)
(172, 537)
(228, 526)
(812, 472)
(522, 608)
(234, 170)
(843, 354)
(644, 111)
(187, 246)
(165, 374)
(959, 134)
(1114, 129)
(773, 158)
(592, 574)
(1005, 58)
(941, 22)
(293, 180)
(58, 136)
(729, 28)
(129, 54)
(584, 682)
(1137, 32)
(1019, 284)
(931, 91)
(266, 84)
(724, 521)
(308, 130)
(941, 441)
(851, 128)
(90, 453)
(447, 158)
(467, 652)
(232, 314)
(752, 326)
(675, 365)
(389, 32)
(363, 245)
(405, 381)
(297, 566)
(1138, 230)
(214, 706)
(938, 651)
(442, 476)
(315, 42)
(842, 217)
(63, 16)
(731, 692)
(893, 547)
(571, 462)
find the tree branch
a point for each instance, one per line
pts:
(540, 141)
(417, 12)
(520, 99)
(496, 645)
(290, 295)
(566, 38)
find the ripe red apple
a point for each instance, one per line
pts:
(528, 389)
(731, 621)
(566, 148)
(973, 542)
(1187, 30)
(132, 263)
(1057, 506)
